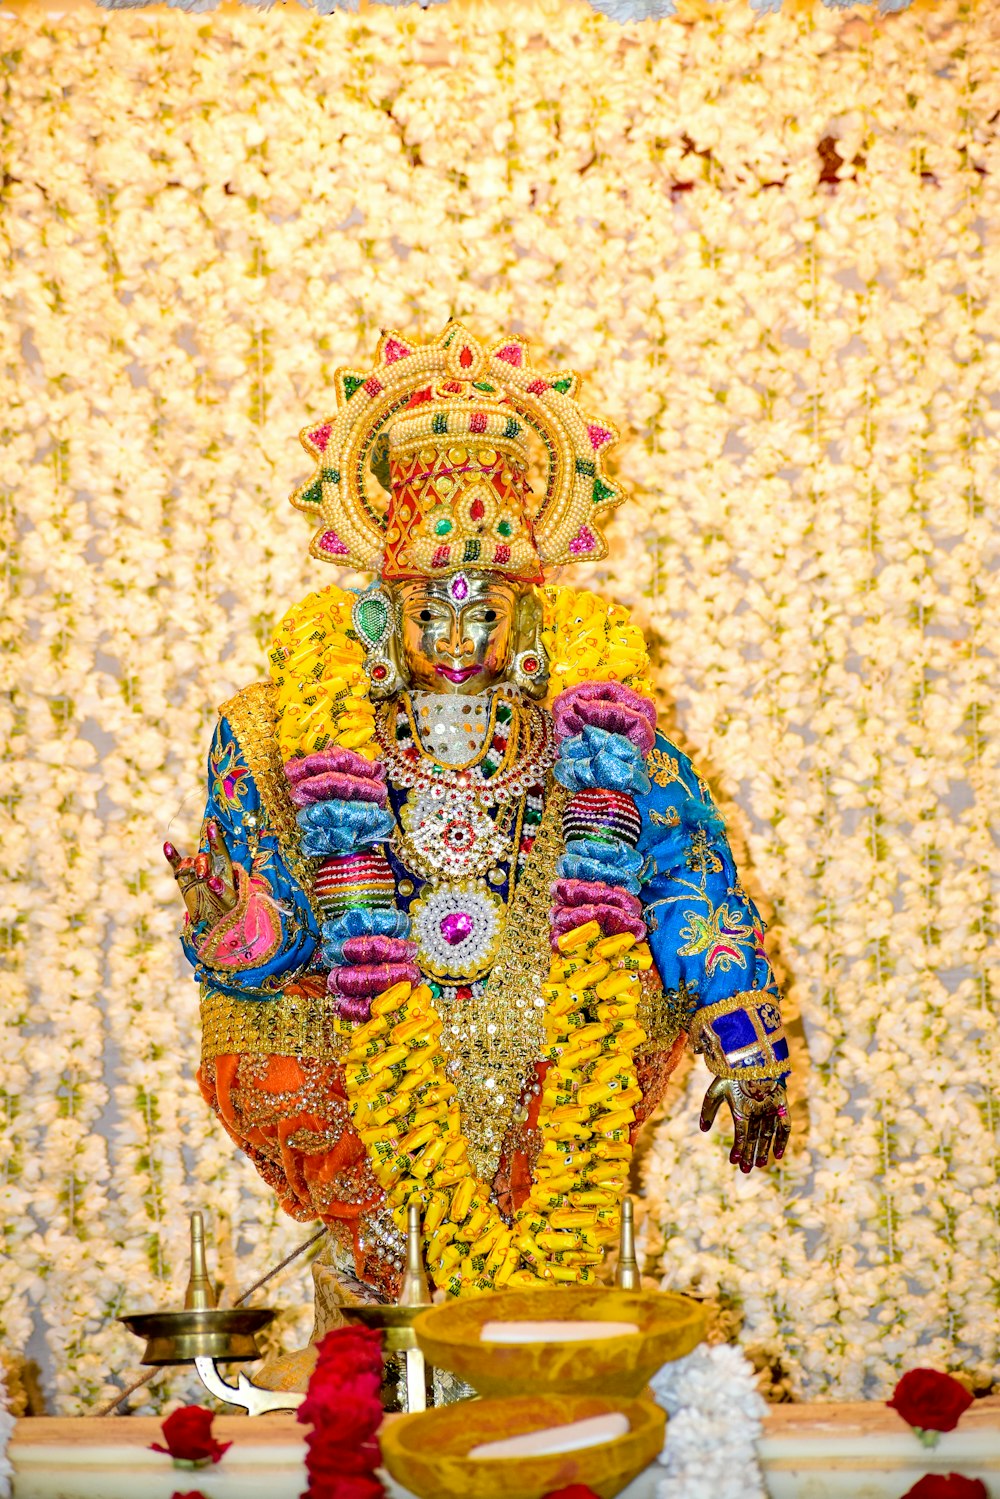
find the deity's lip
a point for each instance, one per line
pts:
(457, 673)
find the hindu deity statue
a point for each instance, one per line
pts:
(458, 906)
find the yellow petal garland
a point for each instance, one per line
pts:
(590, 640)
(405, 1109)
(317, 664)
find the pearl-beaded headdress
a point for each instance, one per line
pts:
(449, 424)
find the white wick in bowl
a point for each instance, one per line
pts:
(554, 1332)
(553, 1439)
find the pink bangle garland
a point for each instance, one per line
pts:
(338, 774)
(364, 980)
(345, 761)
(608, 706)
(378, 950)
(575, 902)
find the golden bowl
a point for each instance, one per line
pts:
(427, 1453)
(669, 1327)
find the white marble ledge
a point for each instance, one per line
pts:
(814, 1451)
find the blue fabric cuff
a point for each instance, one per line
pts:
(339, 827)
(614, 863)
(361, 921)
(597, 758)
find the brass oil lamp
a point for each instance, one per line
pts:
(206, 1335)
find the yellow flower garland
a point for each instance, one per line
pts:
(402, 1103)
(317, 664)
(405, 1110)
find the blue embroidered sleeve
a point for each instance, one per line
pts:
(705, 934)
(269, 938)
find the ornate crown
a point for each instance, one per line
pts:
(446, 427)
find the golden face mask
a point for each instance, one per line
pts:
(457, 633)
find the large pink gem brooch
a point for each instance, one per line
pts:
(457, 927)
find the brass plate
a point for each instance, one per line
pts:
(180, 1337)
(394, 1322)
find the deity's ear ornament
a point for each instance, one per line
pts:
(374, 620)
(454, 419)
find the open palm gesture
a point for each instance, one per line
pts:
(760, 1119)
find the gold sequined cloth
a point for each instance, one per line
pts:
(299, 1023)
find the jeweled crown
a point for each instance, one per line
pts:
(455, 421)
(461, 496)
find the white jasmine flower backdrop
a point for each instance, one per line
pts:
(773, 249)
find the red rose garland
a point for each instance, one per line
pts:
(342, 1405)
(188, 1435)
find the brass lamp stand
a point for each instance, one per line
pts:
(396, 1322)
(204, 1334)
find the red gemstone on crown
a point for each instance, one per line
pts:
(530, 665)
(379, 673)
(465, 358)
(476, 510)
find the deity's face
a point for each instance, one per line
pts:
(458, 639)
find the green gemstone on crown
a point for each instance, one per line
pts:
(563, 385)
(602, 491)
(351, 384)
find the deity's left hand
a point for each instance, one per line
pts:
(760, 1118)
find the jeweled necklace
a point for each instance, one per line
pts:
(446, 831)
(518, 751)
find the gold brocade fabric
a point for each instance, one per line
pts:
(297, 1023)
(663, 1013)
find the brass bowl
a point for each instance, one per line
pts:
(670, 1326)
(427, 1453)
(179, 1337)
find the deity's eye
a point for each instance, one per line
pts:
(425, 616)
(489, 616)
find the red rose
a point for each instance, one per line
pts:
(355, 1348)
(188, 1435)
(947, 1486)
(930, 1400)
(573, 1491)
(347, 1487)
(344, 1410)
(347, 1421)
(331, 1383)
(329, 1459)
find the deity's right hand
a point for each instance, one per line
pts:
(207, 881)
